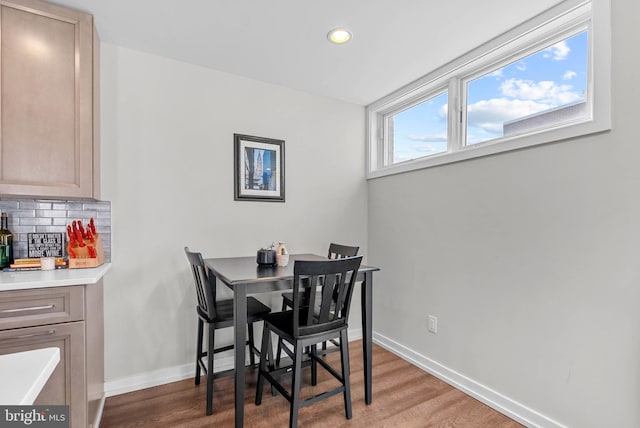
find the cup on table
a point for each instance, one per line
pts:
(47, 263)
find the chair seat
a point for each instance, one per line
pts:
(282, 324)
(256, 310)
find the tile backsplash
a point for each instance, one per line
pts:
(53, 216)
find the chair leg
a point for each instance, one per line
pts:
(344, 354)
(296, 385)
(266, 344)
(314, 365)
(210, 355)
(252, 346)
(280, 341)
(199, 339)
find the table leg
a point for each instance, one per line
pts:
(367, 336)
(239, 326)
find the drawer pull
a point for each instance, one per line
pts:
(26, 336)
(32, 308)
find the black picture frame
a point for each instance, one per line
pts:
(259, 168)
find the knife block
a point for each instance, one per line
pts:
(83, 260)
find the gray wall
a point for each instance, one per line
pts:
(529, 260)
(167, 167)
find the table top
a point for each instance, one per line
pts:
(245, 270)
(51, 278)
(24, 374)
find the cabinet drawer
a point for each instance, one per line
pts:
(26, 308)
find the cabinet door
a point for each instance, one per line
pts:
(46, 84)
(67, 383)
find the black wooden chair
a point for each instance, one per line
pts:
(336, 251)
(217, 314)
(316, 316)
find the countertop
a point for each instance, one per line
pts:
(51, 278)
(24, 374)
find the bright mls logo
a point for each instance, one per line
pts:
(34, 416)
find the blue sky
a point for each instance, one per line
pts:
(549, 78)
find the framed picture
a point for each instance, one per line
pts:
(259, 168)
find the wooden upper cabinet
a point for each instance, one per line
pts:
(48, 138)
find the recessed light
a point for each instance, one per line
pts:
(339, 36)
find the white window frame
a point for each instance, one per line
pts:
(555, 24)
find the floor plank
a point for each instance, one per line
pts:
(403, 396)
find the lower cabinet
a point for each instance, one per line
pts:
(34, 317)
(63, 386)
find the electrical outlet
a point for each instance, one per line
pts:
(432, 325)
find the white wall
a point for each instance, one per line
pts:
(530, 261)
(167, 167)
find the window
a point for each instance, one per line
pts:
(540, 90)
(545, 81)
(419, 130)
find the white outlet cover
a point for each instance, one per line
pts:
(433, 324)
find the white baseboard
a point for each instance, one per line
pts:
(148, 379)
(491, 398)
(176, 373)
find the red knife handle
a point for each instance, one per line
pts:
(77, 234)
(84, 235)
(92, 251)
(92, 226)
(70, 233)
(90, 235)
(79, 238)
(72, 253)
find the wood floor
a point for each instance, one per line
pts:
(403, 396)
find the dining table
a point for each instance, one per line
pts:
(244, 276)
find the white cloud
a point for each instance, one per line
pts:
(558, 52)
(519, 98)
(426, 149)
(490, 115)
(497, 73)
(429, 138)
(569, 74)
(419, 145)
(405, 152)
(443, 111)
(545, 91)
(522, 66)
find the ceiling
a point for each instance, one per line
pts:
(284, 41)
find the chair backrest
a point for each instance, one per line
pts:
(316, 280)
(339, 251)
(205, 291)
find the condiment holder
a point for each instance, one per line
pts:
(266, 256)
(282, 255)
(270, 257)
